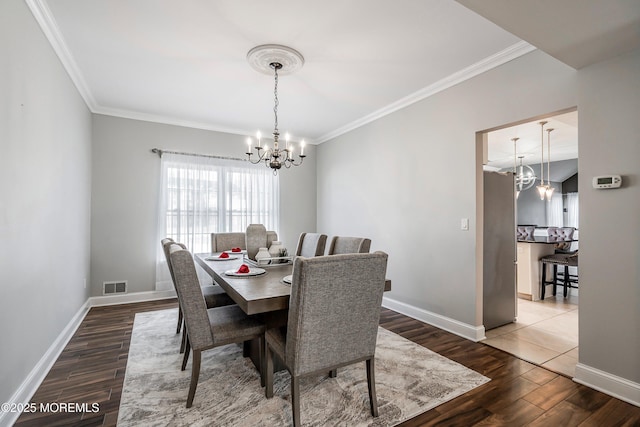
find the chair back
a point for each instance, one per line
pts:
(561, 232)
(525, 231)
(192, 303)
(311, 244)
(334, 310)
(226, 241)
(349, 245)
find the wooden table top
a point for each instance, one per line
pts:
(254, 294)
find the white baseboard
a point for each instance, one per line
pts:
(132, 297)
(470, 332)
(39, 372)
(610, 384)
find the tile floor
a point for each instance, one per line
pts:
(545, 333)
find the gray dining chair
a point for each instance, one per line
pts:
(214, 295)
(311, 244)
(226, 241)
(334, 311)
(208, 328)
(349, 245)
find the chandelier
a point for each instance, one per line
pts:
(279, 60)
(545, 190)
(525, 177)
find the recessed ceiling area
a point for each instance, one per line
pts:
(564, 141)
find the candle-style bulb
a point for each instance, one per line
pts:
(302, 147)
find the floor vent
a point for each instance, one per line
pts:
(119, 287)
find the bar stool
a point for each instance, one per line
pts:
(559, 279)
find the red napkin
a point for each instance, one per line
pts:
(236, 250)
(244, 268)
(224, 255)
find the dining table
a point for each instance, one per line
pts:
(265, 295)
(255, 294)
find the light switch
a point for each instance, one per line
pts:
(464, 224)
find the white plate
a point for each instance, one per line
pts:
(244, 251)
(288, 279)
(255, 271)
(217, 258)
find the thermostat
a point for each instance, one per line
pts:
(607, 181)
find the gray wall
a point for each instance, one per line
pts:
(45, 182)
(125, 194)
(388, 180)
(407, 179)
(609, 106)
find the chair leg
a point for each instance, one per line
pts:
(544, 281)
(184, 339)
(371, 381)
(179, 320)
(295, 400)
(555, 278)
(185, 359)
(566, 280)
(195, 374)
(268, 372)
(262, 344)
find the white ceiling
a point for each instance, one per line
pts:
(184, 62)
(563, 141)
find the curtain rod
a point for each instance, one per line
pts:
(160, 152)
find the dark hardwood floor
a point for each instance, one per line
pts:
(91, 370)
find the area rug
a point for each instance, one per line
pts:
(410, 379)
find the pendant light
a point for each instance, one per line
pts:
(549, 191)
(524, 175)
(542, 189)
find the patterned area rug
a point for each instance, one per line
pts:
(410, 379)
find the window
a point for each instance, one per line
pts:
(204, 195)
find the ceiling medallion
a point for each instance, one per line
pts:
(261, 57)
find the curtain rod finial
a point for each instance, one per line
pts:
(157, 151)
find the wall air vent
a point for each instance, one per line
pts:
(118, 287)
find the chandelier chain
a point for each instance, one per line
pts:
(275, 99)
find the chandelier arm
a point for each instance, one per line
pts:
(261, 156)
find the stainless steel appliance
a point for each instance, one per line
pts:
(499, 278)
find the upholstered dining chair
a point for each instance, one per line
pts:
(226, 241)
(214, 295)
(311, 244)
(208, 328)
(334, 310)
(349, 245)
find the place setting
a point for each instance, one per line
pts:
(244, 271)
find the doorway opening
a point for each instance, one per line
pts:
(544, 332)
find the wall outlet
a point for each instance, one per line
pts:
(464, 224)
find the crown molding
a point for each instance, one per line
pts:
(512, 52)
(156, 118)
(49, 27)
